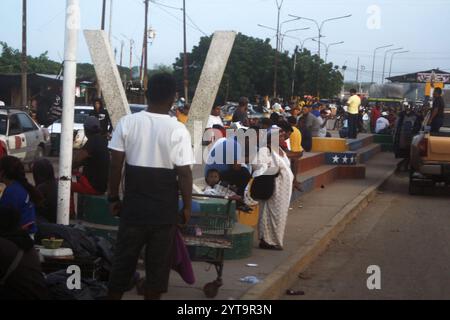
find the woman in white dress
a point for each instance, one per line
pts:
(274, 211)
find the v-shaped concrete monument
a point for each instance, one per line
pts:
(107, 74)
(205, 94)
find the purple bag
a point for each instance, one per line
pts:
(182, 262)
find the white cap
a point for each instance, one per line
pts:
(384, 113)
(2, 104)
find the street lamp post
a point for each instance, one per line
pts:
(295, 62)
(275, 72)
(328, 47)
(374, 56)
(392, 59)
(319, 28)
(384, 63)
(284, 34)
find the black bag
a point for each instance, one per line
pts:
(262, 187)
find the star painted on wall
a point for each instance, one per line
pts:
(335, 159)
(345, 159)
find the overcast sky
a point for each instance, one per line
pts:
(420, 26)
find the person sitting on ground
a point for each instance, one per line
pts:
(383, 125)
(94, 158)
(215, 187)
(45, 182)
(103, 116)
(183, 113)
(21, 276)
(19, 194)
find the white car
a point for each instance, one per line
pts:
(21, 137)
(79, 139)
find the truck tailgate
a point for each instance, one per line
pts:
(439, 148)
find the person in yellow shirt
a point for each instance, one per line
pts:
(296, 136)
(183, 113)
(354, 102)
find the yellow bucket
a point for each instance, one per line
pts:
(249, 218)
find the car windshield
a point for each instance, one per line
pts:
(3, 124)
(80, 116)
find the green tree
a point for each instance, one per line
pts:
(250, 71)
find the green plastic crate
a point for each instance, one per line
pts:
(95, 209)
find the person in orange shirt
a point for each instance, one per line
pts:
(183, 113)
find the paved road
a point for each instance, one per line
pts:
(407, 237)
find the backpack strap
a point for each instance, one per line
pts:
(13, 266)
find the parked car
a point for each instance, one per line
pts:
(79, 139)
(430, 158)
(21, 137)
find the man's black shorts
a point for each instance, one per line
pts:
(158, 241)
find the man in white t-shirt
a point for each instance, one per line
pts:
(383, 125)
(214, 118)
(157, 152)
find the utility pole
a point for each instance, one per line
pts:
(293, 72)
(185, 57)
(122, 44)
(24, 54)
(110, 18)
(275, 72)
(357, 72)
(131, 60)
(70, 73)
(374, 56)
(103, 14)
(145, 54)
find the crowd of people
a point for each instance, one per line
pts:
(155, 146)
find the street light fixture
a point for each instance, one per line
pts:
(328, 47)
(319, 28)
(384, 63)
(392, 59)
(284, 35)
(374, 56)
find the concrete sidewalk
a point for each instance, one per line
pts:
(315, 219)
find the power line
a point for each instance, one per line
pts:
(175, 17)
(198, 28)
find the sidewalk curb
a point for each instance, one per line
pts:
(286, 274)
